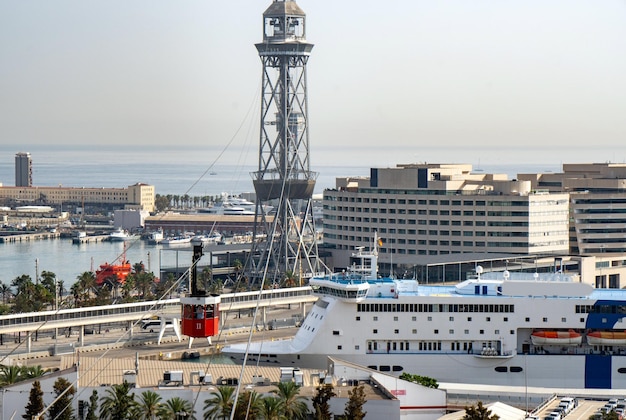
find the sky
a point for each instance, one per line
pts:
(388, 82)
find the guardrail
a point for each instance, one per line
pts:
(126, 312)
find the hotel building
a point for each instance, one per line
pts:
(425, 210)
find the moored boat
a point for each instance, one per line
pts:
(492, 329)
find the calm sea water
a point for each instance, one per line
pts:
(176, 171)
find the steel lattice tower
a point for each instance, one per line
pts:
(284, 237)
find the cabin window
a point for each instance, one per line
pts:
(384, 368)
(512, 332)
(395, 318)
(501, 369)
(488, 319)
(516, 369)
(413, 318)
(451, 318)
(414, 331)
(469, 318)
(482, 331)
(451, 332)
(396, 331)
(436, 331)
(496, 332)
(338, 347)
(358, 318)
(506, 319)
(466, 332)
(563, 319)
(375, 318)
(545, 319)
(336, 332)
(527, 319)
(356, 347)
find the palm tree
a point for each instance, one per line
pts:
(272, 409)
(5, 291)
(220, 404)
(33, 371)
(118, 403)
(293, 404)
(176, 408)
(249, 406)
(11, 374)
(148, 406)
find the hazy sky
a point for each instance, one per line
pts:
(436, 80)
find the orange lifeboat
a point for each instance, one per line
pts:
(612, 338)
(561, 338)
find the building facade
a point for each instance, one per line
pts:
(437, 209)
(23, 170)
(597, 194)
(135, 197)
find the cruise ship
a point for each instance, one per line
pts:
(509, 329)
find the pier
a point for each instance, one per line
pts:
(26, 237)
(89, 239)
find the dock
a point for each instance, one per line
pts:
(90, 239)
(27, 237)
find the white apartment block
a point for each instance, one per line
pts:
(437, 209)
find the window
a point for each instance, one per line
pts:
(339, 347)
(375, 331)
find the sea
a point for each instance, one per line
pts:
(176, 170)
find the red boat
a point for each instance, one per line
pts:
(119, 272)
(561, 338)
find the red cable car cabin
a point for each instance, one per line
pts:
(200, 316)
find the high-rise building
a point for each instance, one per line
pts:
(23, 170)
(285, 242)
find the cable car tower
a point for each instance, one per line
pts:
(285, 239)
(200, 313)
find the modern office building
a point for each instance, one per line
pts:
(425, 210)
(597, 204)
(23, 170)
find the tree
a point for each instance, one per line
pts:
(321, 402)
(354, 406)
(294, 406)
(479, 412)
(5, 291)
(220, 404)
(272, 409)
(35, 401)
(610, 415)
(422, 380)
(161, 202)
(248, 406)
(148, 406)
(93, 406)
(11, 374)
(118, 403)
(62, 408)
(175, 408)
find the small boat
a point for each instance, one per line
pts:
(561, 338)
(120, 235)
(177, 240)
(210, 239)
(155, 237)
(607, 338)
